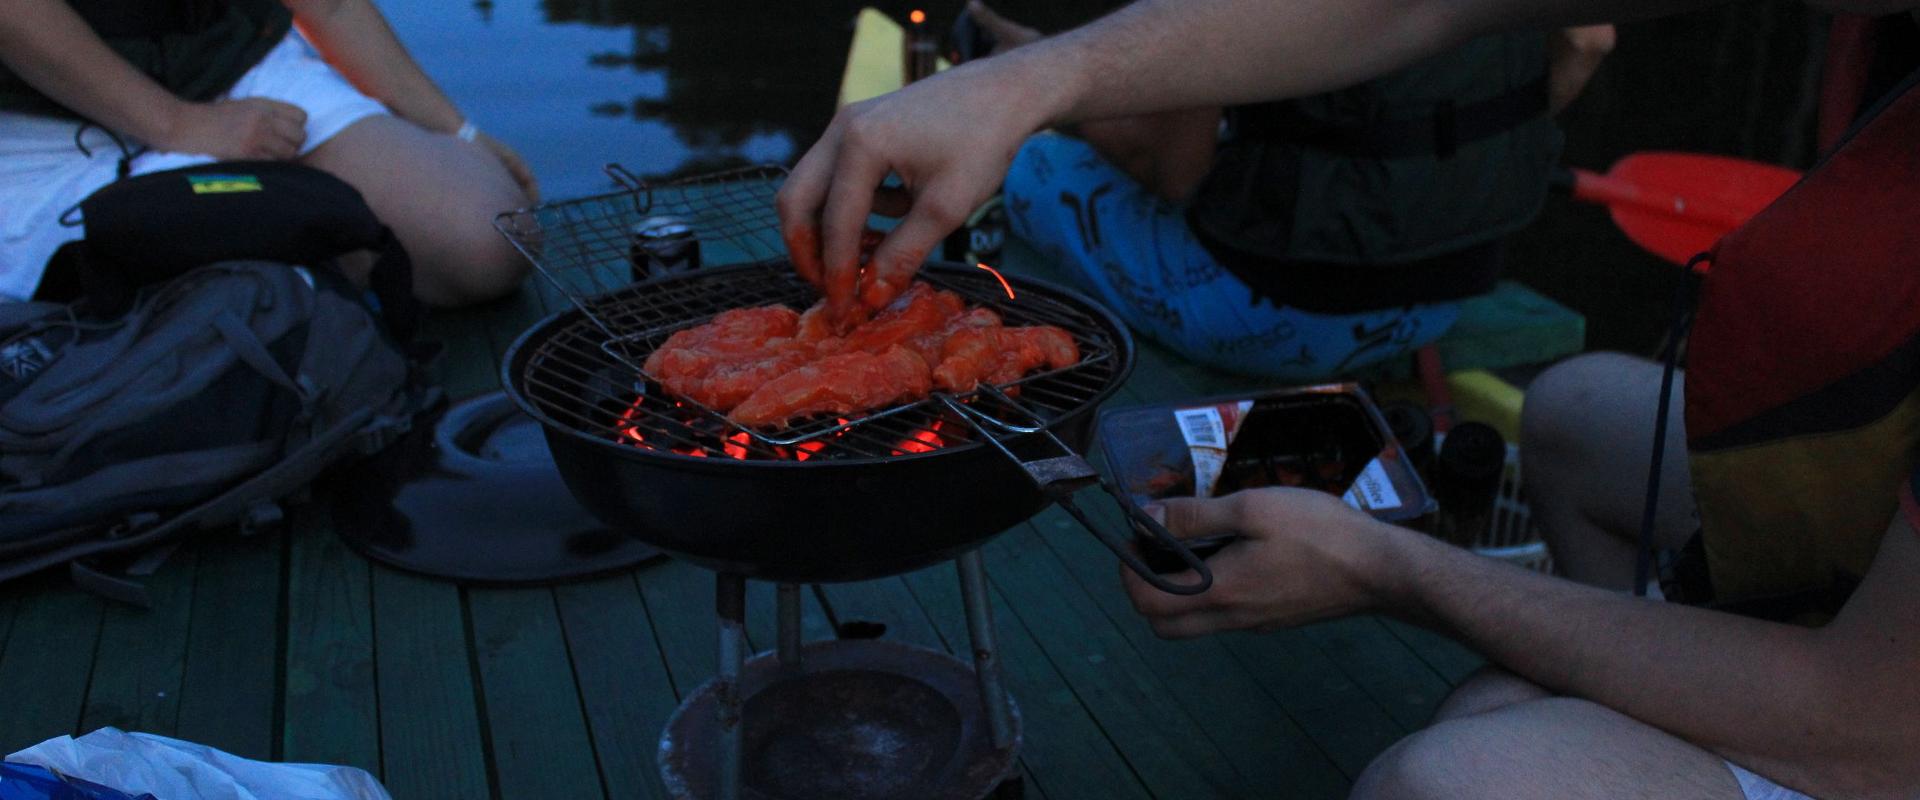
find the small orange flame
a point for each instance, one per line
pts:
(917, 16)
(1002, 279)
(736, 446)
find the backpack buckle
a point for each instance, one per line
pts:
(133, 524)
(262, 517)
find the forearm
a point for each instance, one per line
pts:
(353, 37)
(1771, 696)
(51, 48)
(1157, 55)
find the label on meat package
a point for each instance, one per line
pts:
(1373, 489)
(1208, 430)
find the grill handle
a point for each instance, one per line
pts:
(1060, 476)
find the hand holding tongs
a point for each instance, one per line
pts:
(1059, 477)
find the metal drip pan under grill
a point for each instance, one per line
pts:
(860, 720)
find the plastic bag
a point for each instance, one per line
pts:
(31, 782)
(171, 768)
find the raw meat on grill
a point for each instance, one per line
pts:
(998, 355)
(920, 311)
(843, 383)
(770, 365)
(721, 363)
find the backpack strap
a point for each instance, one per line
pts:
(140, 533)
(391, 282)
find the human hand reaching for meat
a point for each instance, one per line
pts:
(949, 138)
(1300, 556)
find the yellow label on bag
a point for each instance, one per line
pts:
(223, 184)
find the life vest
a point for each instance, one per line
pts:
(1393, 191)
(196, 49)
(1803, 385)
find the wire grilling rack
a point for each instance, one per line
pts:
(594, 246)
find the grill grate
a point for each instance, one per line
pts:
(586, 380)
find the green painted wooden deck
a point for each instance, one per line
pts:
(289, 646)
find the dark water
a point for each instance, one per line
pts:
(668, 87)
(660, 87)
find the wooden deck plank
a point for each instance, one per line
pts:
(511, 316)
(541, 747)
(230, 692)
(1384, 666)
(142, 654)
(50, 651)
(623, 681)
(1165, 745)
(466, 367)
(679, 599)
(330, 700)
(9, 604)
(1250, 728)
(1452, 660)
(887, 602)
(1067, 754)
(1343, 720)
(431, 742)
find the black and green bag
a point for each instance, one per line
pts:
(217, 364)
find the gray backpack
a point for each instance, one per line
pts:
(219, 393)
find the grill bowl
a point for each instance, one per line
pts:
(820, 520)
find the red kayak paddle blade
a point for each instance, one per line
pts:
(1701, 198)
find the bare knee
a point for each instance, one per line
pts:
(1562, 401)
(1426, 765)
(471, 266)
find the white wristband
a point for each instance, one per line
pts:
(466, 132)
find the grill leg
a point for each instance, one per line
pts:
(730, 597)
(789, 613)
(986, 659)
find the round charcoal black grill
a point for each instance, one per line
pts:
(829, 499)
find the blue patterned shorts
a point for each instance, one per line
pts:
(1134, 251)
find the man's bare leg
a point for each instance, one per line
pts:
(1560, 747)
(1586, 439)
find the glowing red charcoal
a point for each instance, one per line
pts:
(739, 444)
(629, 427)
(805, 450)
(922, 441)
